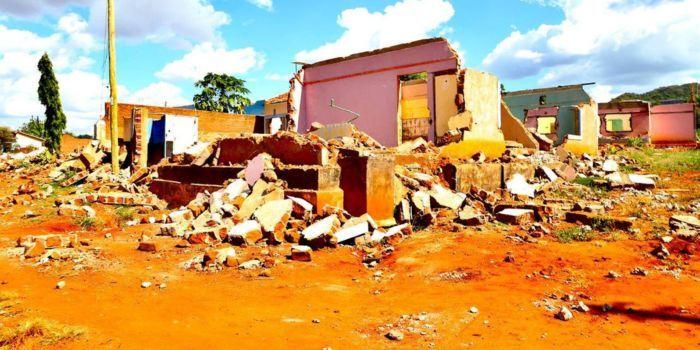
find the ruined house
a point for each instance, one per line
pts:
(671, 124)
(398, 93)
(565, 114)
(152, 132)
(25, 140)
(624, 119)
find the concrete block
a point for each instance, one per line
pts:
(349, 233)
(246, 233)
(301, 253)
(445, 198)
(515, 216)
(301, 209)
(527, 170)
(486, 176)
(273, 217)
(316, 235)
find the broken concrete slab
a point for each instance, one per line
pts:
(598, 221)
(256, 167)
(518, 185)
(301, 209)
(246, 233)
(548, 173)
(487, 176)
(233, 190)
(470, 217)
(685, 226)
(421, 200)
(610, 166)
(316, 234)
(445, 198)
(350, 232)
(566, 172)
(515, 216)
(218, 256)
(642, 181)
(301, 253)
(273, 217)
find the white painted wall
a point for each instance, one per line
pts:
(182, 131)
(24, 141)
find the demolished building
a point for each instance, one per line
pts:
(565, 114)
(151, 133)
(667, 124)
(624, 119)
(401, 93)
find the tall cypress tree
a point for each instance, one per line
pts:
(49, 96)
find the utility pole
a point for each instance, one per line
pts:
(113, 105)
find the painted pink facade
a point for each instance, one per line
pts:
(672, 124)
(368, 83)
(639, 121)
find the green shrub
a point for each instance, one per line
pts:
(124, 214)
(85, 222)
(571, 234)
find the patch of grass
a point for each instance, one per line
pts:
(592, 183)
(635, 142)
(85, 222)
(44, 331)
(571, 234)
(602, 224)
(124, 214)
(660, 160)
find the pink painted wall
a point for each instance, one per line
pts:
(672, 124)
(369, 86)
(639, 121)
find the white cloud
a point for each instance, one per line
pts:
(206, 57)
(178, 23)
(623, 45)
(274, 77)
(401, 22)
(263, 4)
(82, 92)
(37, 8)
(159, 94)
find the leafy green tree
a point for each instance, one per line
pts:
(7, 138)
(49, 96)
(35, 126)
(221, 93)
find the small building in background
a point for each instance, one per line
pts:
(24, 140)
(275, 112)
(673, 125)
(565, 114)
(624, 119)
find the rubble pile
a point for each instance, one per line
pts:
(244, 216)
(245, 202)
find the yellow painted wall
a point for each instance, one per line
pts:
(482, 98)
(445, 92)
(414, 100)
(275, 108)
(514, 130)
(590, 125)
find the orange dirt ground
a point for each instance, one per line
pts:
(336, 302)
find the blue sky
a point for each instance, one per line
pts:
(165, 45)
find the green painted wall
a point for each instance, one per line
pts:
(566, 100)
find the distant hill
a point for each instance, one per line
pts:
(656, 96)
